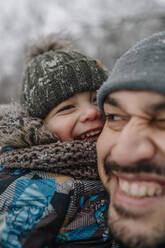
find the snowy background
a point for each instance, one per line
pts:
(103, 29)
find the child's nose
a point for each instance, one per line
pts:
(91, 113)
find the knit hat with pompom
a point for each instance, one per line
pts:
(54, 74)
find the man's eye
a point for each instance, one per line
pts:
(158, 123)
(115, 121)
(113, 117)
(67, 107)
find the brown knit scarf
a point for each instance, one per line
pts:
(34, 147)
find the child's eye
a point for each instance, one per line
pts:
(64, 108)
(116, 121)
(94, 100)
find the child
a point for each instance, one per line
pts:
(50, 193)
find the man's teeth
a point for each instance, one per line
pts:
(90, 134)
(140, 189)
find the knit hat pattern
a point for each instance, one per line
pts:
(54, 76)
(142, 67)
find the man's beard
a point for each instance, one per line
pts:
(121, 233)
(126, 240)
(140, 167)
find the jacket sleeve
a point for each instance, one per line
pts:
(32, 207)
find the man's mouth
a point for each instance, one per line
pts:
(139, 192)
(143, 180)
(140, 189)
(93, 134)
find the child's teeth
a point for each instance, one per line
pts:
(142, 189)
(90, 134)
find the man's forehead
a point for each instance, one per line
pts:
(147, 100)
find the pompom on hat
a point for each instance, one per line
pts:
(54, 74)
(142, 67)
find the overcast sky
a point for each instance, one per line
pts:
(23, 21)
(19, 20)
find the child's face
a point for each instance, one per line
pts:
(77, 118)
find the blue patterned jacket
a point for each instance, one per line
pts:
(49, 210)
(43, 201)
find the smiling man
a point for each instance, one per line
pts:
(131, 148)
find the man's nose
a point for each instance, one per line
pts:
(90, 113)
(134, 144)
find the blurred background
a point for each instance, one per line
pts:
(104, 29)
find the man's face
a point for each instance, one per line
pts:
(131, 158)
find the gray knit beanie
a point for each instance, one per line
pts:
(55, 75)
(141, 68)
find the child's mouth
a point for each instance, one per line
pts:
(93, 134)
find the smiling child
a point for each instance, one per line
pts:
(49, 173)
